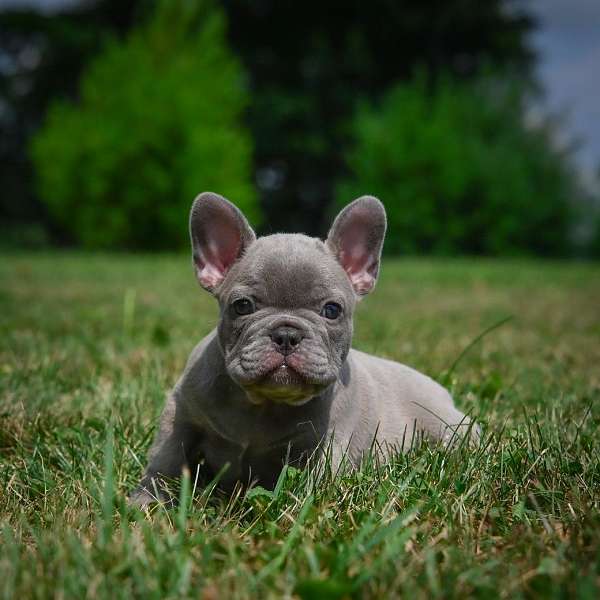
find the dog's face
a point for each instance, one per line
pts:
(286, 318)
(287, 299)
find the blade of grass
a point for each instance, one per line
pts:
(473, 343)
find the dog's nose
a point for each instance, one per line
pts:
(286, 339)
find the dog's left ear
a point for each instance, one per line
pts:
(356, 240)
(220, 234)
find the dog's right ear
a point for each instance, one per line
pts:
(220, 233)
(356, 240)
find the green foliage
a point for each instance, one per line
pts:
(305, 91)
(459, 170)
(158, 121)
(594, 245)
(306, 67)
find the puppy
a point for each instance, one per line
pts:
(277, 380)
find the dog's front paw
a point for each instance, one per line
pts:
(144, 497)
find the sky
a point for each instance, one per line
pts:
(568, 44)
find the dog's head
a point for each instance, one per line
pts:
(286, 299)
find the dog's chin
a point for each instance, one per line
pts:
(283, 385)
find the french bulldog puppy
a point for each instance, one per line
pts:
(277, 379)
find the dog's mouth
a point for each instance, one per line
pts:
(283, 375)
(282, 385)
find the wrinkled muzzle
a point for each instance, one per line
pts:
(283, 359)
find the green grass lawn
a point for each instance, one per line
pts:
(90, 344)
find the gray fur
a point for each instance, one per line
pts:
(241, 402)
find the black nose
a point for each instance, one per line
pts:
(286, 339)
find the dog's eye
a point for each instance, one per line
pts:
(243, 306)
(331, 310)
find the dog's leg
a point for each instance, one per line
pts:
(174, 447)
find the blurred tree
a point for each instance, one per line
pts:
(460, 171)
(158, 120)
(41, 58)
(593, 247)
(310, 62)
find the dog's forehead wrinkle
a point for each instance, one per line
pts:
(288, 246)
(290, 269)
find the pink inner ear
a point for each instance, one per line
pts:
(220, 250)
(357, 261)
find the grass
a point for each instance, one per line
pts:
(90, 344)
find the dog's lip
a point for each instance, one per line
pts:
(284, 374)
(282, 385)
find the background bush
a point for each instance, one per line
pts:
(151, 99)
(157, 122)
(459, 170)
